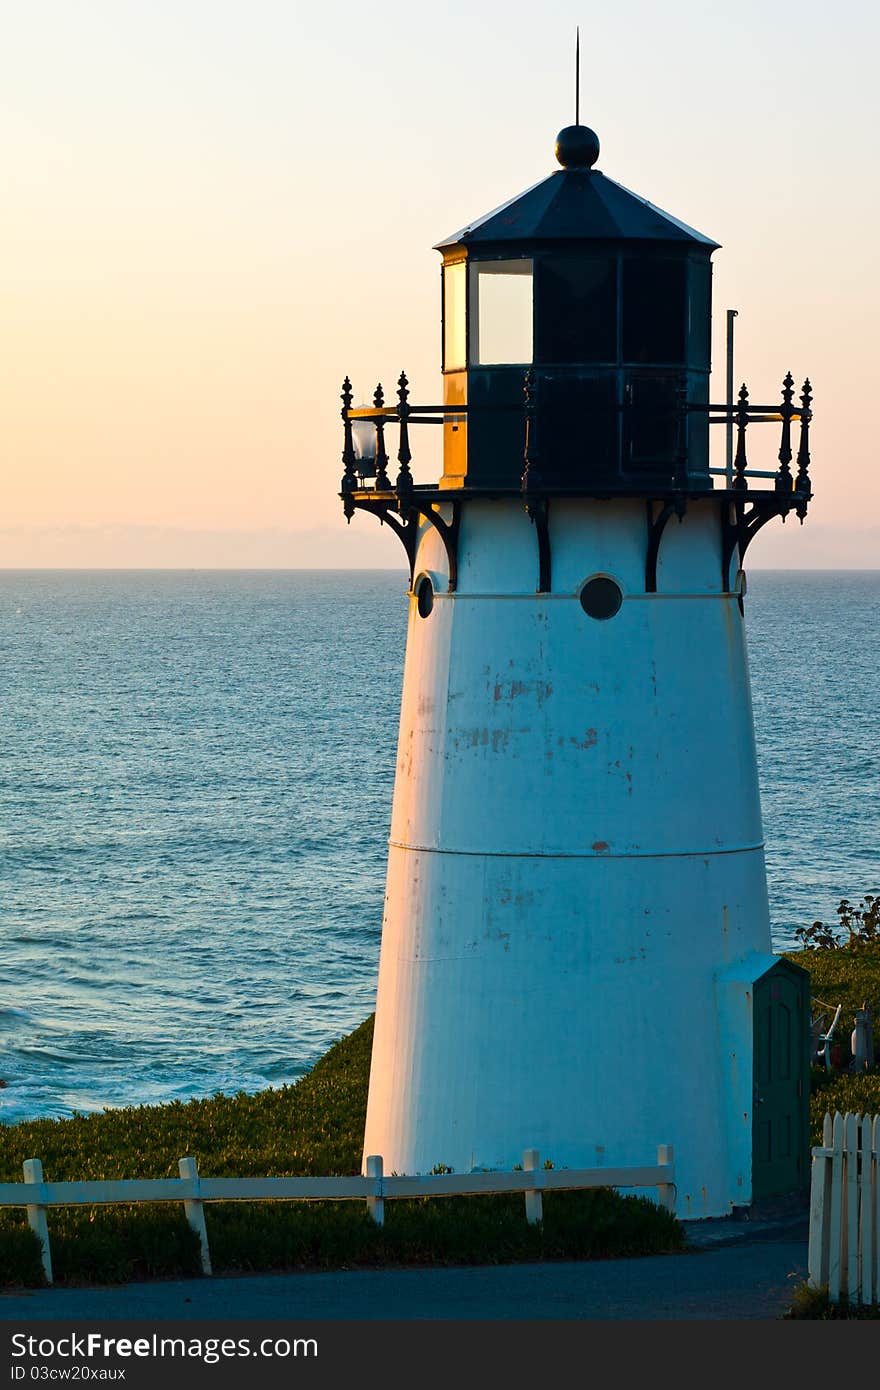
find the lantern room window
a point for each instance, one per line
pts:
(501, 313)
(454, 308)
(655, 310)
(577, 309)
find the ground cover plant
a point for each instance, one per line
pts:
(313, 1127)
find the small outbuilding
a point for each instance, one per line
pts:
(764, 1028)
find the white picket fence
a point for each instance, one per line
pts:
(844, 1251)
(374, 1188)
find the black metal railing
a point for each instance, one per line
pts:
(743, 413)
(373, 464)
(362, 464)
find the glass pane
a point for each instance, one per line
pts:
(577, 309)
(454, 282)
(700, 327)
(654, 311)
(579, 428)
(501, 313)
(652, 423)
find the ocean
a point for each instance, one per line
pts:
(195, 791)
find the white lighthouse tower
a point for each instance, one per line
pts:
(576, 944)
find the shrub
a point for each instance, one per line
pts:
(862, 925)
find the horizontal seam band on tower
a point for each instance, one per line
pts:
(597, 854)
(458, 595)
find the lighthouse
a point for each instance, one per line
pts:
(576, 952)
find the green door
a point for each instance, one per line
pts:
(780, 1133)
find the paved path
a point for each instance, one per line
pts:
(751, 1280)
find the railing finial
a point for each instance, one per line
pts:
(802, 481)
(404, 457)
(349, 477)
(383, 482)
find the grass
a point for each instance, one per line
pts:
(315, 1126)
(815, 1304)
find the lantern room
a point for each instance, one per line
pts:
(605, 301)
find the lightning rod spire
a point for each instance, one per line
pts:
(577, 76)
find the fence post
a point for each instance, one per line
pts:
(866, 1233)
(534, 1199)
(376, 1205)
(666, 1190)
(875, 1201)
(36, 1215)
(820, 1211)
(837, 1230)
(851, 1126)
(195, 1209)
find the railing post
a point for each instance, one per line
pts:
(742, 420)
(802, 481)
(681, 417)
(404, 456)
(531, 478)
(349, 478)
(665, 1190)
(534, 1199)
(195, 1209)
(784, 480)
(376, 1205)
(36, 1214)
(383, 482)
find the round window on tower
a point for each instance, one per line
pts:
(424, 596)
(601, 597)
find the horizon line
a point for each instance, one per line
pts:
(351, 569)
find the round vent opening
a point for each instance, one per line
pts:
(601, 597)
(424, 597)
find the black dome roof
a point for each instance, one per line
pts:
(577, 205)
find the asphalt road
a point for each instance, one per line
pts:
(742, 1281)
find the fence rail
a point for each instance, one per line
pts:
(844, 1250)
(37, 1195)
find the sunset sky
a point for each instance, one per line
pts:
(214, 209)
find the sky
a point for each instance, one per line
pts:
(214, 210)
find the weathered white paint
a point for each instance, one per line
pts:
(36, 1212)
(373, 1168)
(575, 855)
(534, 1200)
(194, 1210)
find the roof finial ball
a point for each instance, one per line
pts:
(577, 147)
